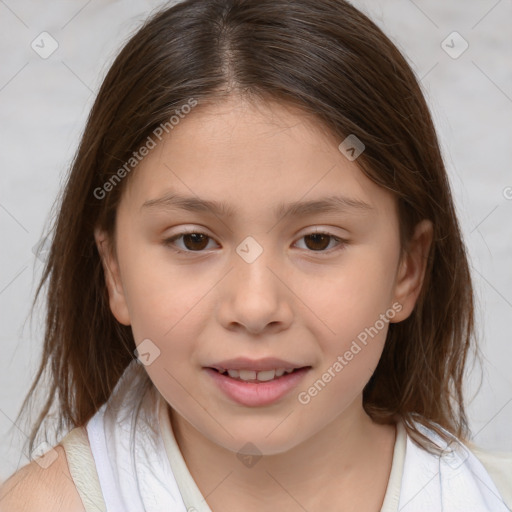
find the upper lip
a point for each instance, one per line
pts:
(245, 363)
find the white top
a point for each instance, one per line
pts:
(127, 460)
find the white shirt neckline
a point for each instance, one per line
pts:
(195, 501)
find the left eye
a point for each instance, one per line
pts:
(195, 241)
(319, 241)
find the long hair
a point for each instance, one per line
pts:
(330, 60)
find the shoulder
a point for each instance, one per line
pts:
(499, 467)
(39, 482)
(483, 468)
(496, 461)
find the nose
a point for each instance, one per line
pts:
(254, 298)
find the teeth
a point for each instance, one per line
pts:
(251, 375)
(247, 374)
(266, 375)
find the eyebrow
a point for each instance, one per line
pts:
(298, 208)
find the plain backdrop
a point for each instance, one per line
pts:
(43, 107)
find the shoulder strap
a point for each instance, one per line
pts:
(83, 469)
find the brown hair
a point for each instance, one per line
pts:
(330, 60)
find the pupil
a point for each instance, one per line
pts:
(196, 238)
(318, 238)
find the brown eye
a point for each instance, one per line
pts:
(188, 242)
(322, 242)
(195, 241)
(318, 241)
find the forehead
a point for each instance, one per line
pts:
(249, 154)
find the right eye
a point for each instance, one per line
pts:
(193, 241)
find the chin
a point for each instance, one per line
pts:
(259, 440)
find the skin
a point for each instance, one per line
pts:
(35, 484)
(292, 302)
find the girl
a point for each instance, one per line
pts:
(258, 297)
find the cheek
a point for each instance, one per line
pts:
(354, 307)
(160, 294)
(168, 310)
(352, 296)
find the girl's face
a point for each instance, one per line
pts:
(255, 281)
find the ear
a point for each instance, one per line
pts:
(116, 294)
(411, 270)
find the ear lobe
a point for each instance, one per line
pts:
(411, 271)
(117, 299)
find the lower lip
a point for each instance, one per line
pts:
(254, 394)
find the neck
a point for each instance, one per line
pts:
(351, 455)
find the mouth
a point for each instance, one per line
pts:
(256, 388)
(255, 376)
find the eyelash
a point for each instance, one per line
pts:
(169, 242)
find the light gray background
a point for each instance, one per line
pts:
(44, 104)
